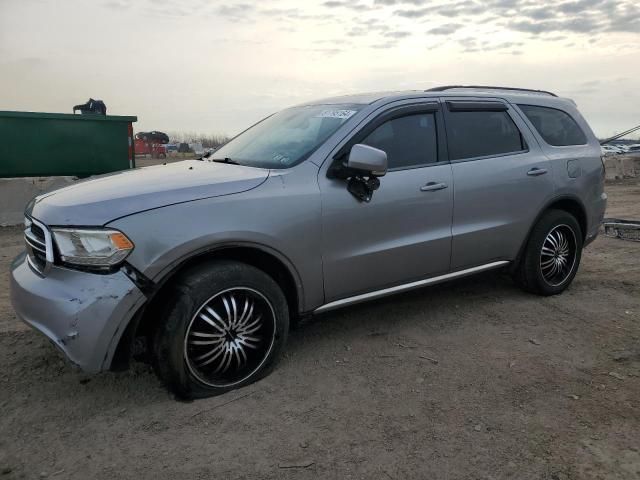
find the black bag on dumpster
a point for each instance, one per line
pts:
(92, 107)
(159, 137)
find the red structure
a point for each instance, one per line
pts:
(151, 143)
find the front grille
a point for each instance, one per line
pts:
(37, 242)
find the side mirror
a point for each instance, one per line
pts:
(367, 159)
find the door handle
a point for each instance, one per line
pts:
(534, 172)
(433, 186)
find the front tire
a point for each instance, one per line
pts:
(225, 327)
(552, 254)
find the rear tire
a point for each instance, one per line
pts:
(225, 326)
(552, 255)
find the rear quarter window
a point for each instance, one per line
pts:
(555, 126)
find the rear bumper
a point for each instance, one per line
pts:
(83, 314)
(600, 207)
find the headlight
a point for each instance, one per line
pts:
(92, 248)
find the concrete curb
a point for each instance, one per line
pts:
(618, 167)
(15, 193)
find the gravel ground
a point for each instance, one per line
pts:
(467, 380)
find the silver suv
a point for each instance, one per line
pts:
(202, 265)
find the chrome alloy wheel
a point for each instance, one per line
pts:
(558, 255)
(230, 337)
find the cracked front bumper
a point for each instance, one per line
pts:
(83, 314)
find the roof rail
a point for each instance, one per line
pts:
(489, 87)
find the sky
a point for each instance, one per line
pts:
(211, 66)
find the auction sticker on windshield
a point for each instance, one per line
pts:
(344, 114)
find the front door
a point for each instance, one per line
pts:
(404, 233)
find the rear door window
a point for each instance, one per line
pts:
(408, 141)
(478, 133)
(556, 127)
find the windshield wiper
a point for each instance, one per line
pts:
(225, 160)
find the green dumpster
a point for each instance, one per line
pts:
(57, 144)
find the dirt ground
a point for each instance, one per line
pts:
(467, 380)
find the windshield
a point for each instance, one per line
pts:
(287, 137)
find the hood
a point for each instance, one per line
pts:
(99, 200)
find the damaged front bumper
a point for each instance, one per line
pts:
(83, 314)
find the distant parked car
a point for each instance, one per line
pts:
(208, 152)
(197, 148)
(634, 148)
(610, 150)
(624, 148)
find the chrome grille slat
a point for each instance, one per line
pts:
(35, 244)
(33, 237)
(39, 247)
(35, 264)
(37, 232)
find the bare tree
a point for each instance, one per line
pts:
(212, 140)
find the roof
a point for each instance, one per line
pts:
(508, 93)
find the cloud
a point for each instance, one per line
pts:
(373, 24)
(383, 23)
(237, 11)
(357, 32)
(575, 25)
(468, 42)
(528, 26)
(446, 29)
(400, 2)
(361, 28)
(397, 34)
(293, 14)
(472, 44)
(384, 45)
(412, 13)
(465, 7)
(117, 4)
(532, 16)
(325, 52)
(334, 4)
(347, 4)
(542, 13)
(578, 5)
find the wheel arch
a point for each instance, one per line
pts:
(572, 205)
(569, 204)
(264, 258)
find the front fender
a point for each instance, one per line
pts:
(281, 218)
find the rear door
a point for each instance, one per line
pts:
(501, 179)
